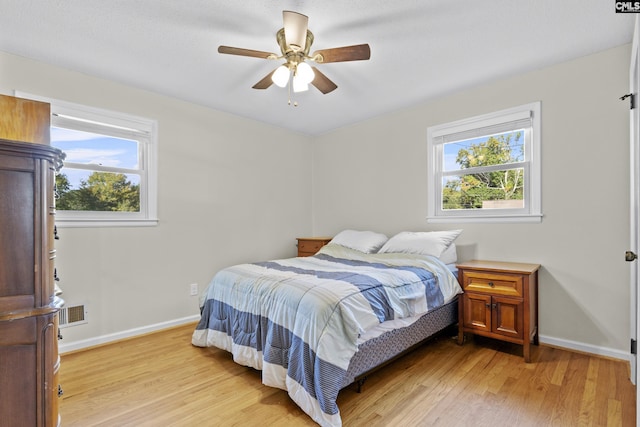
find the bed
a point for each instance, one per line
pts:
(314, 325)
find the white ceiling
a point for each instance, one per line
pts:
(420, 49)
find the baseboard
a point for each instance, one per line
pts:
(584, 348)
(105, 339)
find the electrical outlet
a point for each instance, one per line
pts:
(194, 289)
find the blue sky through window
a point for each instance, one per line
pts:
(451, 149)
(94, 149)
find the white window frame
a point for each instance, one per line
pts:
(485, 125)
(105, 122)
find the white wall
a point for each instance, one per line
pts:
(378, 181)
(228, 195)
(230, 190)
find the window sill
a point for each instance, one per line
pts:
(535, 218)
(97, 223)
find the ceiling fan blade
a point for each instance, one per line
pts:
(295, 29)
(265, 82)
(356, 52)
(322, 82)
(245, 52)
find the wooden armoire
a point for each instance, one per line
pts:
(29, 360)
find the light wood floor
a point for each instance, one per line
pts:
(162, 380)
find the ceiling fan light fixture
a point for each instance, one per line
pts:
(299, 85)
(281, 76)
(295, 41)
(295, 29)
(305, 73)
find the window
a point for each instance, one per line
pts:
(486, 168)
(109, 173)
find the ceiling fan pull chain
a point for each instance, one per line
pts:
(295, 103)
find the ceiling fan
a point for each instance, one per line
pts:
(295, 40)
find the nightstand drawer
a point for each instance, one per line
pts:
(312, 246)
(492, 283)
(308, 246)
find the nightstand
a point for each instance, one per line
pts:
(308, 246)
(500, 301)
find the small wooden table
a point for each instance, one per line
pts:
(500, 301)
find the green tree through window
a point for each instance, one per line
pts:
(102, 191)
(485, 184)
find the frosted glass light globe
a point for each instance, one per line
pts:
(299, 85)
(281, 76)
(305, 72)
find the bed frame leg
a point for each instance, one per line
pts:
(360, 384)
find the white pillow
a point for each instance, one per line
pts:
(364, 241)
(432, 243)
(450, 255)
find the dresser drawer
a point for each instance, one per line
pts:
(21, 331)
(492, 283)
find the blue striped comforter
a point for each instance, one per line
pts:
(298, 319)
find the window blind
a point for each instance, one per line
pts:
(464, 131)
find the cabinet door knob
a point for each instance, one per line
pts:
(491, 284)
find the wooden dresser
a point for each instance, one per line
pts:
(500, 301)
(29, 360)
(308, 246)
